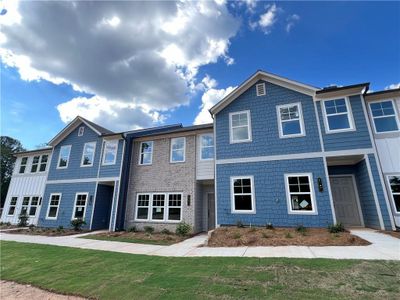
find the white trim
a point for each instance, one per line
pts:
(119, 192)
(140, 163)
(215, 173)
(81, 132)
(329, 191)
(184, 150)
(58, 206)
(391, 193)
(321, 140)
(86, 202)
(8, 207)
(25, 165)
(263, 88)
(105, 142)
(252, 194)
(83, 154)
(314, 210)
(94, 205)
(396, 116)
(59, 156)
(300, 119)
(37, 164)
(349, 114)
(249, 131)
(201, 146)
(95, 179)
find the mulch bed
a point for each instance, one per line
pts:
(47, 231)
(395, 234)
(158, 237)
(258, 236)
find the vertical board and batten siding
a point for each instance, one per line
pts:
(204, 168)
(264, 124)
(112, 170)
(358, 139)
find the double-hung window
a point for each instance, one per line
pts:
(338, 115)
(394, 182)
(300, 193)
(174, 207)
(43, 163)
(160, 207)
(35, 164)
(242, 189)
(384, 116)
(12, 206)
(54, 204)
(207, 146)
(178, 146)
(33, 206)
(88, 154)
(25, 205)
(146, 153)
(110, 152)
(291, 122)
(240, 127)
(142, 207)
(63, 158)
(22, 166)
(80, 206)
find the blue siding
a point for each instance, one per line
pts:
(101, 215)
(113, 170)
(347, 140)
(264, 123)
(270, 193)
(68, 192)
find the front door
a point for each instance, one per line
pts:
(211, 211)
(345, 201)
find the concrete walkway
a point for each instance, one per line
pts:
(383, 247)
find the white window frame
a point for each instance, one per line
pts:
(40, 163)
(59, 156)
(58, 206)
(253, 198)
(261, 94)
(83, 154)
(201, 146)
(35, 164)
(23, 165)
(396, 115)
(27, 205)
(103, 163)
(81, 130)
(249, 139)
(184, 151)
(349, 116)
(280, 121)
(168, 207)
(314, 210)
(137, 207)
(391, 193)
(15, 206)
(151, 156)
(85, 207)
(37, 206)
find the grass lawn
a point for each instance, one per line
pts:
(108, 275)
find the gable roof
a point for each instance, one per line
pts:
(393, 93)
(262, 75)
(73, 125)
(342, 91)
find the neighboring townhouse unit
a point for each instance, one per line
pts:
(384, 111)
(171, 179)
(27, 185)
(290, 154)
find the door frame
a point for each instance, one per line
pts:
(353, 177)
(208, 209)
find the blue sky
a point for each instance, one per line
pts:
(317, 43)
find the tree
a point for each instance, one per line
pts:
(8, 148)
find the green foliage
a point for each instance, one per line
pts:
(269, 226)
(239, 224)
(335, 228)
(166, 231)
(77, 224)
(148, 229)
(60, 228)
(301, 229)
(132, 229)
(23, 219)
(183, 229)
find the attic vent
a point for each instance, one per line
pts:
(81, 130)
(260, 88)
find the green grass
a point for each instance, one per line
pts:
(127, 240)
(108, 275)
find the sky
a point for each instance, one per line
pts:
(128, 65)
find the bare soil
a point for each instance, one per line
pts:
(258, 236)
(15, 291)
(395, 234)
(47, 231)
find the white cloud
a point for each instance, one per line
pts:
(291, 21)
(268, 19)
(393, 86)
(209, 99)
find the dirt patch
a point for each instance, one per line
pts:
(47, 231)
(236, 237)
(395, 234)
(139, 237)
(15, 291)
(7, 226)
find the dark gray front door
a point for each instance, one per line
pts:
(345, 201)
(211, 211)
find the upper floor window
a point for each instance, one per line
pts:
(291, 122)
(22, 166)
(242, 190)
(338, 115)
(63, 158)
(394, 182)
(43, 162)
(81, 130)
(110, 152)
(88, 154)
(207, 146)
(384, 116)
(240, 127)
(35, 164)
(300, 195)
(178, 146)
(146, 153)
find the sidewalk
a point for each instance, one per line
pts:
(383, 247)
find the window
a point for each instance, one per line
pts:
(110, 152)
(80, 206)
(384, 116)
(242, 195)
(33, 207)
(394, 182)
(207, 146)
(22, 166)
(146, 153)
(240, 129)
(54, 204)
(81, 131)
(12, 206)
(143, 204)
(174, 207)
(300, 194)
(338, 115)
(35, 164)
(178, 149)
(88, 154)
(25, 205)
(260, 89)
(63, 158)
(290, 120)
(161, 207)
(43, 163)
(158, 207)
